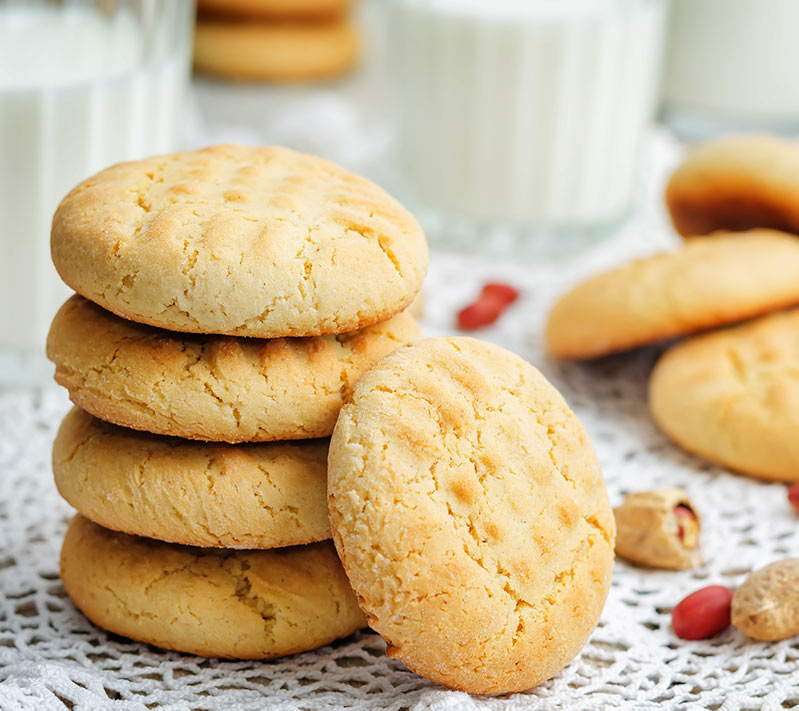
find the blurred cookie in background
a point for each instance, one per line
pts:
(275, 9)
(277, 52)
(275, 40)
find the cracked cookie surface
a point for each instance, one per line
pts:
(733, 396)
(241, 241)
(707, 282)
(210, 602)
(469, 511)
(216, 388)
(195, 493)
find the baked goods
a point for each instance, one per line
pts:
(710, 281)
(275, 9)
(733, 396)
(218, 388)
(277, 52)
(223, 495)
(736, 183)
(238, 604)
(469, 511)
(238, 240)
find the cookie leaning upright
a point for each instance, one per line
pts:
(241, 241)
(469, 511)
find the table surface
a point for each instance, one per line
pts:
(51, 657)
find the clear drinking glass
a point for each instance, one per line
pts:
(521, 121)
(83, 84)
(732, 66)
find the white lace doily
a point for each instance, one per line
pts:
(51, 657)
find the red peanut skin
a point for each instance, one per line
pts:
(481, 313)
(493, 300)
(703, 613)
(793, 496)
(503, 293)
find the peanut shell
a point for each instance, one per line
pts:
(648, 532)
(766, 606)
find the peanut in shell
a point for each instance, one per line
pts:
(658, 528)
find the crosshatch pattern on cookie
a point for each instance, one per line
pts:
(243, 241)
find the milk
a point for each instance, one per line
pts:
(522, 112)
(732, 64)
(79, 90)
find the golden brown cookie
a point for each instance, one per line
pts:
(215, 603)
(223, 495)
(736, 183)
(470, 514)
(275, 52)
(241, 241)
(733, 396)
(217, 388)
(707, 282)
(275, 9)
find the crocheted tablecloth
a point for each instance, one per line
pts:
(51, 657)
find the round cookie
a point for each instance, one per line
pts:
(736, 183)
(275, 9)
(216, 388)
(275, 52)
(707, 282)
(215, 603)
(241, 241)
(732, 396)
(222, 495)
(469, 511)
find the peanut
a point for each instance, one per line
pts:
(793, 496)
(702, 613)
(766, 606)
(494, 299)
(658, 528)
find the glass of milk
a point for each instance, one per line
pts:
(732, 65)
(521, 121)
(82, 85)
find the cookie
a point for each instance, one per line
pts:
(216, 388)
(241, 241)
(469, 511)
(275, 9)
(222, 495)
(215, 603)
(732, 396)
(708, 282)
(275, 52)
(736, 183)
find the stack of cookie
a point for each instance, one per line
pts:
(730, 396)
(275, 40)
(228, 299)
